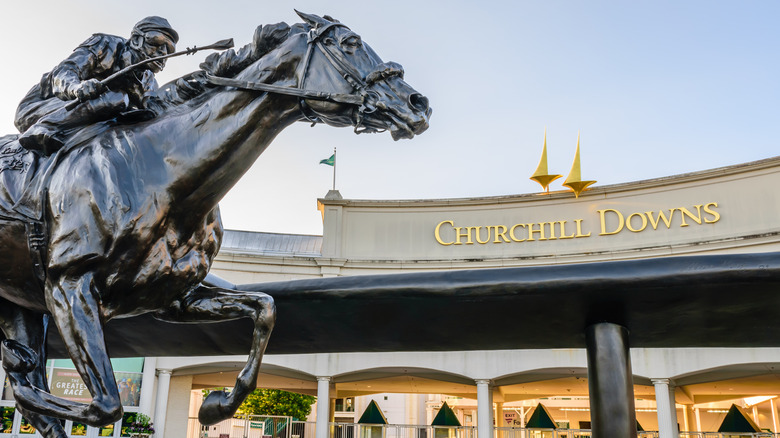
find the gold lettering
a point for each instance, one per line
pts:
(531, 231)
(705, 213)
(501, 233)
(512, 232)
(602, 214)
(685, 212)
(661, 216)
(477, 235)
(552, 230)
(715, 214)
(644, 222)
(579, 229)
(467, 235)
(437, 232)
(563, 230)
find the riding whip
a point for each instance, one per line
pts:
(219, 45)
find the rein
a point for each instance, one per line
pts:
(363, 98)
(353, 99)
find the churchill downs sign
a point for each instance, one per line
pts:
(606, 222)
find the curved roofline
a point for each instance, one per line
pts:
(271, 233)
(565, 194)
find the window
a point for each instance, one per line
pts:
(26, 428)
(6, 419)
(346, 404)
(78, 429)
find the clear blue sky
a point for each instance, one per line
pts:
(656, 88)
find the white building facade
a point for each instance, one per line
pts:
(722, 211)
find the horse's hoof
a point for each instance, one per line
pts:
(214, 409)
(17, 357)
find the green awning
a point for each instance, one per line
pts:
(541, 419)
(372, 415)
(737, 421)
(445, 417)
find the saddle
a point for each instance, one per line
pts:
(18, 170)
(22, 195)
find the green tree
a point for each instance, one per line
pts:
(277, 402)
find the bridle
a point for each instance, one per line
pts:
(362, 97)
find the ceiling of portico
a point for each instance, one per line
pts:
(768, 384)
(406, 383)
(224, 374)
(385, 372)
(727, 383)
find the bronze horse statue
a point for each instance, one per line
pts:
(124, 219)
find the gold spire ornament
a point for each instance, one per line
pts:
(574, 180)
(541, 175)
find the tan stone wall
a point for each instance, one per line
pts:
(695, 213)
(728, 210)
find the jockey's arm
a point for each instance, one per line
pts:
(67, 77)
(75, 77)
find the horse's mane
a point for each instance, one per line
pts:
(228, 64)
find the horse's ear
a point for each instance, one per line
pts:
(312, 19)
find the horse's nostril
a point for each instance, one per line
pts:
(419, 102)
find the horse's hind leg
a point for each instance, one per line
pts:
(29, 329)
(214, 304)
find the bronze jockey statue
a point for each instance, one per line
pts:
(42, 117)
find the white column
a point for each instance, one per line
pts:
(755, 416)
(422, 413)
(147, 386)
(774, 415)
(484, 409)
(321, 428)
(698, 419)
(667, 410)
(690, 418)
(522, 421)
(2, 381)
(161, 405)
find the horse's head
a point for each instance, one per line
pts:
(337, 61)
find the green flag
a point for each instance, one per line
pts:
(330, 161)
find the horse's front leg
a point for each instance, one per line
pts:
(75, 308)
(214, 304)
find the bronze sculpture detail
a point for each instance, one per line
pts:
(123, 219)
(41, 116)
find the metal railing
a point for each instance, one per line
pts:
(303, 429)
(250, 426)
(520, 432)
(728, 435)
(283, 427)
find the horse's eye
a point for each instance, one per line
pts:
(351, 41)
(329, 41)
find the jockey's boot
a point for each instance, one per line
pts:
(41, 137)
(47, 135)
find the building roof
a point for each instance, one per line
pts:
(372, 415)
(252, 242)
(737, 420)
(541, 419)
(445, 417)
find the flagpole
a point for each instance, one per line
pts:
(334, 168)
